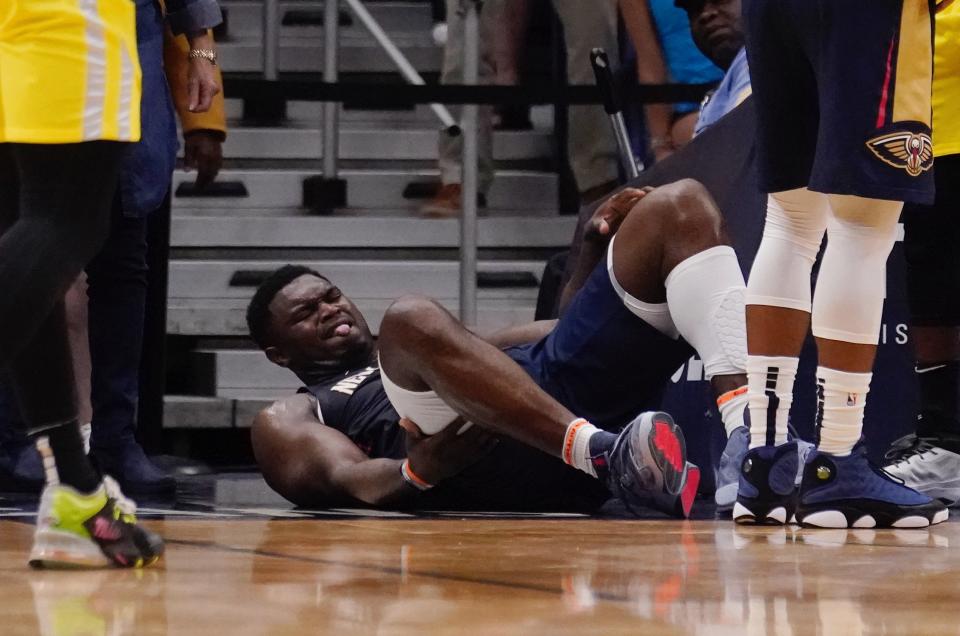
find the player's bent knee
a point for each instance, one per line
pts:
(684, 210)
(413, 316)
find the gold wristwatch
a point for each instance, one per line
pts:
(208, 54)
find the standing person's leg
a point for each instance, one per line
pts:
(592, 147)
(826, 108)
(59, 226)
(929, 460)
(509, 40)
(117, 299)
(447, 201)
(779, 287)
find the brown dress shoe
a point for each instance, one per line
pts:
(445, 204)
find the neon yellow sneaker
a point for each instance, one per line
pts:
(98, 530)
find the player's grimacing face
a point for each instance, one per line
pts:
(313, 321)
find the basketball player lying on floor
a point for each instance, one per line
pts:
(545, 401)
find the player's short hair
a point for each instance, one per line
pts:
(258, 311)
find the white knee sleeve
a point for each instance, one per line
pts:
(657, 315)
(780, 277)
(424, 408)
(848, 304)
(705, 294)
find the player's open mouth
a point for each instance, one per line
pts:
(340, 328)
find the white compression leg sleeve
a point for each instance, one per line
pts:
(705, 295)
(424, 408)
(780, 277)
(851, 287)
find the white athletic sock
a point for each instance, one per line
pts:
(732, 404)
(770, 381)
(841, 398)
(576, 445)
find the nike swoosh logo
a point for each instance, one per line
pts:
(929, 369)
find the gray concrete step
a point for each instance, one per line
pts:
(228, 228)
(277, 191)
(311, 113)
(304, 54)
(359, 279)
(246, 17)
(204, 297)
(201, 412)
(227, 316)
(359, 140)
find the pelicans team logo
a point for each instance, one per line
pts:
(906, 150)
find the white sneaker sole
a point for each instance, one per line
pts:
(743, 516)
(837, 520)
(59, 549)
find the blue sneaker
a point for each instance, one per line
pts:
(728, 472)
(767, 494)
(648, 466)
(850, 492)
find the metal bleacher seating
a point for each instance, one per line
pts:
(376, 248)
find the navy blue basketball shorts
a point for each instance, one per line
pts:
(603, 362)
(842, 89)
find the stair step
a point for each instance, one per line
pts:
(202, 301)
(277, 190)
(359, 279)
(202, 412)
(227, 316)
(311, 113)
(358, 54)
(246, 18)
(228, 229)
(374, 141)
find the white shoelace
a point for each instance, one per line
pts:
(126, 506)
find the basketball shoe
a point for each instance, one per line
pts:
(75, 530)
(850, 492)
(930, 465)
(727, 475)
(728, 471)
(767, 491)
(648, 466)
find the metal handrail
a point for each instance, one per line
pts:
(469, 115)
(331, 71)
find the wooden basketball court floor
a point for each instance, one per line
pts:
(276, 571)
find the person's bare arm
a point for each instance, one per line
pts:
(315, 465)
(651, 69)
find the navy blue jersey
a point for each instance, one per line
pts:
(354, 403)
(843, 95)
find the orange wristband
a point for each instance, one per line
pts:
(412, 478)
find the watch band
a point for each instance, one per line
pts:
(208, 54)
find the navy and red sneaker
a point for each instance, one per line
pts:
(648, 466)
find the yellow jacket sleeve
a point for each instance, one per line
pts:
(175, 50)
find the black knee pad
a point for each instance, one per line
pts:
(932, 250)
